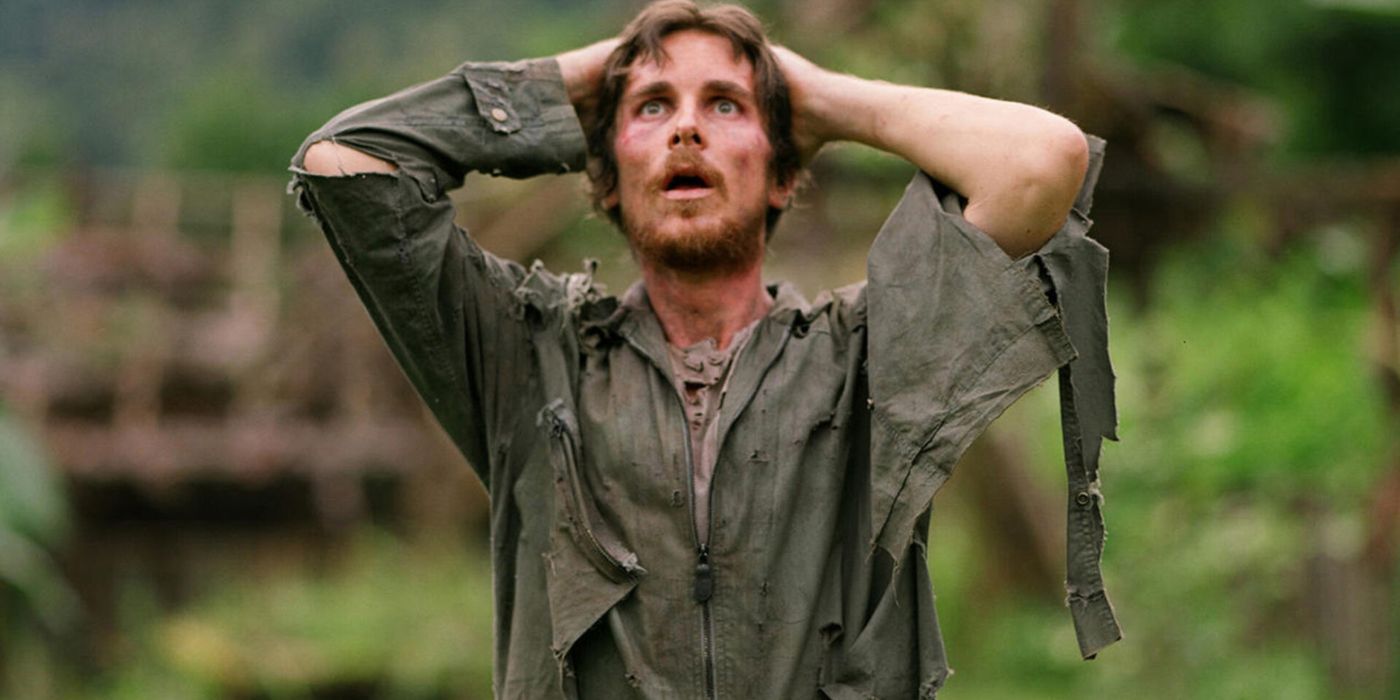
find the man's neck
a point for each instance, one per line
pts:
(693, 307)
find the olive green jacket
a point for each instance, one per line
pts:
(842, 418)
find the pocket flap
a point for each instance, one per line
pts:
(493, 101)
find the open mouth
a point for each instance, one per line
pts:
(687, 185)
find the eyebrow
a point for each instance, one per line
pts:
(662, 87)
(728, 86)
(652, 89)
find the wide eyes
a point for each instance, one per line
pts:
(651, 108)
(721, 105)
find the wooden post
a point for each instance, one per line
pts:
(255, 254)
(155, 214)
(1061, 55)
(1351, 591)
(1378, 560)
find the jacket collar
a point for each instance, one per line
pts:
(632, 320)
(609, 320)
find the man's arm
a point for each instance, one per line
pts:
(331, 159)
(376, 179)
(581, 70)
(956, 332)
(1019, 167)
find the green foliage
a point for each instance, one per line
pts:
(31, 219)
(237, 123)
(1345, 109)
(33, 130)
(1251, 422)
(403, 621)
(1208, 37)
(33, 516)
(207, 84)
(1252, 433)
(31, 498)
(1324, 63)
(1253, 378)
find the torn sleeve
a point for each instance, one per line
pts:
(510, 119)
(958, 331)
(1074, 268)
(447, 309)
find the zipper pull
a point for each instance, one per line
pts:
(704, 576)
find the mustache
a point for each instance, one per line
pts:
(687, 162)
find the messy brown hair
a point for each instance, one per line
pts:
(641, 40)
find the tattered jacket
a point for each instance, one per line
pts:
(842, 418)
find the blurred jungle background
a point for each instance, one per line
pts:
(214, 483)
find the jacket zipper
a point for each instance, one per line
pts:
(704, 587)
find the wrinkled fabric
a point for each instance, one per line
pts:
(841, 418)
(701, 373)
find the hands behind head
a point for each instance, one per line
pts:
(582, 71)
(804, 79)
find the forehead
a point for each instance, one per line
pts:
(693, 58)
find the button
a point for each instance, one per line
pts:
(1082, 499)
(499, 114)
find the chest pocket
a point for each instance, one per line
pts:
(593, 536)
(588, 570)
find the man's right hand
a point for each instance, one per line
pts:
(582, 70)
(803, 78)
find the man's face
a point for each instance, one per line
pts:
(693, 158)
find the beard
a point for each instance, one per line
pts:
(697, 235)
(716, 246)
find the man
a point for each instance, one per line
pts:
(710, 487)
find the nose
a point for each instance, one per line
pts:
(687, 132)
(686, 136)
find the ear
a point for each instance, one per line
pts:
(611, 199)
(780, 194)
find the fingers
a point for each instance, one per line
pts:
(802, 77)
(582, 69)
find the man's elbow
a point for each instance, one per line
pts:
(1032, 199)
(332, 159)
(1055, 171)
(1055, 175)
